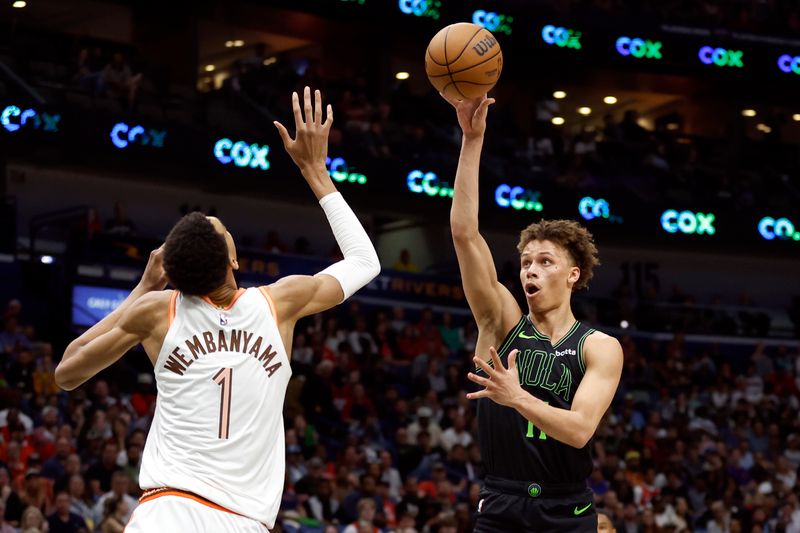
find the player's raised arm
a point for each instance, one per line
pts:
(492, 305)
(299, 296)
(128, 325)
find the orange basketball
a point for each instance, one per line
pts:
(463, 60)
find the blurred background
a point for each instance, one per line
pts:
(671, 129)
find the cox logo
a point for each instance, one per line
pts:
(561, 37)
(589, 208)
(517, 198)
(493, 21)
(688, 222)
(337, 168)
(721, 57)
(427, 182)
(639, 48)
(781, 228)
(13, 119)
(421, 8)
(122, 135)
(242, 154)
(789, 64)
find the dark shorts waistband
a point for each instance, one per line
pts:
(534, 489)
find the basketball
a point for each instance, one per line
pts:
(463, 60)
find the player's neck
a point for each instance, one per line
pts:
(224, 295)
(554, 323)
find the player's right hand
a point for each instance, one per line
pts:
(471, 114)
(154, 277)
(309, 148)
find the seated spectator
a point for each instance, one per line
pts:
(404, 263)
(63, 520)
(32, 521)
(120, 82)
(120, 484)
(115, 515)
(365, 523)
(119, 224)
(80, 503)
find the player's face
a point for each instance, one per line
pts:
(547, 274)
(604, 524)
(220, 227)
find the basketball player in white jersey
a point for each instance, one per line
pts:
(214, 457)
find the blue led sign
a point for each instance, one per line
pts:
(14, 119)
(778, 228)
(688, 222)
(241, 154)
(561, 37)
(123, 136)
(517, 198)
(428, 183)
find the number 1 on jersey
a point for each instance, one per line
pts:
(223, 378)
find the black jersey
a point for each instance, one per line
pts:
(511, 446)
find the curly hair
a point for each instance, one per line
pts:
(195, 256)
(571, 236)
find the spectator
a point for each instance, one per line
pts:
(404, 263)
(63, 520)
(115, 515)
(33, 521)
(120, 82)
(456, 434)
(366, 518)
(120, 225)
(120, 483)
(80, 504)
(5, 527)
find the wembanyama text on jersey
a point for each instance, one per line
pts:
(218, 426)
(511, 446)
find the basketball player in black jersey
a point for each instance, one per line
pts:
(547, 379)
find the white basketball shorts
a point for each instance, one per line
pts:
(178, 512)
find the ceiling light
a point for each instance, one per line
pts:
(269, 61)
(610, 100)
(559, 95)
(46, 259)
(228, 44)
(585, 110)
(19, 4)
(402, 75)
(672, 126)
(796, 117)
(238, 43)
(558, 121)
(748, 112)
(210, 68)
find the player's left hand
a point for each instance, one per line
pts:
(502, 384)
(309, 148)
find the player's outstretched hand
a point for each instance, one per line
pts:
(309, 148)
(471, 114)
(502, 384)
(154, 277)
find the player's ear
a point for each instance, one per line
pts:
(574, 275)
(234, 262)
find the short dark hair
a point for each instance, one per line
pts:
(195, 256)
(572, 237)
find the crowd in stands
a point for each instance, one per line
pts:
(380, 437)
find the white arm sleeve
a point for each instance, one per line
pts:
(360, 264)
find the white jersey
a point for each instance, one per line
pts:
(218, 426)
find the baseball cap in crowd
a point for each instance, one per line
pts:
(424, 412)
